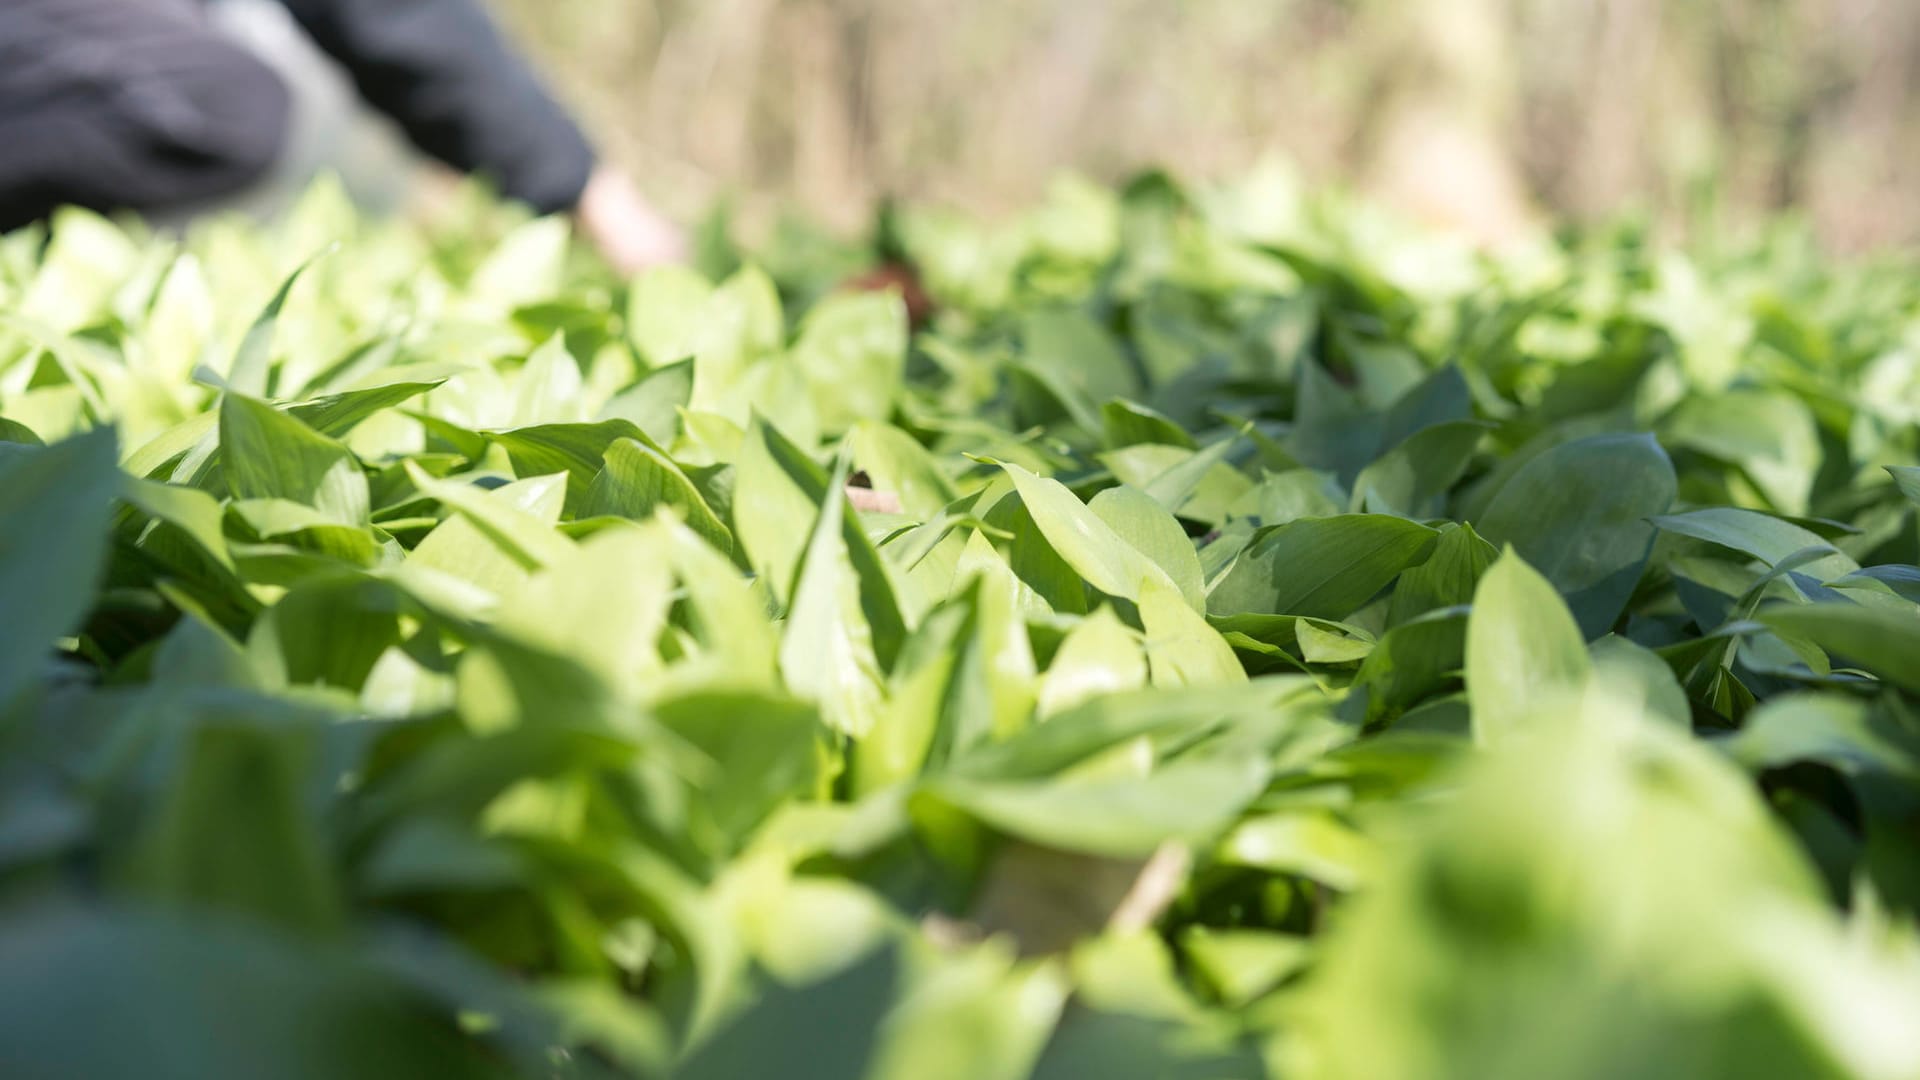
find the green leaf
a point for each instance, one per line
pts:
(852, 353)
(778, 495)
(1098, 656)
(251, 371)
(1881, 640)
(1447, 578)
(1321, 567)
(1088, 544)
(525, 267)
(1312, 845)
(55, 506)
(1579, 514)
(827, 652)
(266, 454)
(1128, 816)
(653, 404)
(235, 833)
(1129, 423)
(638, 479)
(337, 414)
(1637, 675)
(1182, 649)
(578, 450)
(327, 630)
(15, 432)
(97, 993)
(1414, 660)
(1411, 478)
(603, 606)
(896, 463)
(1762, 536)
(1769, 434)
(1845, 733)
(1071, 348)
(193, 512)
(824, 1030)
(1150, 530)
(665, 310)
(1907, 477)
(761, 749)
(1523, 649)
(525, 539)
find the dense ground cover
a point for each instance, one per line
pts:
(1303, 648)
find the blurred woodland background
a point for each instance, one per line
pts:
(1482, 114)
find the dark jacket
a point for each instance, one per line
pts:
(441, 69)
(142, 104)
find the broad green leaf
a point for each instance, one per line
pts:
(1636, 675)
(1182, 649)
(653, 404)
(1313, 845)
(638, 479)
(604, 606)
(549, 388)
(1325, 642)
(1041, 569)
(1129, 423)
(1071, 348)
(55, 507)
(1412, 477)
(1188, 801)
(665, 309)
(97, 993)
(1770, 435)
(1762, 536)
(898, 464)
(1523, 650)
(235, 833)
(1107, 721)
(578, 450)
(761, 749)
(827, 651)
(251, 372)
(1100, 655)
(778, 493)
(1884, 641)
(193, 512)
(852, 353)
(1088, 544)
(1414, 660)
(328, 630)
(1334, 431)
(1908, 480)
(522, 537)
(525, 267)
(15, 432)
(1448, 576)
(1842, 732)
(1579, 513)
(266, 454)
(1241, 965)
(723, 611)
(335, 415)
(1321, 567)
(1153, 532)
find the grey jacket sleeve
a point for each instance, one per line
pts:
(441, 69)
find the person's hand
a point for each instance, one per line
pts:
(624, 226)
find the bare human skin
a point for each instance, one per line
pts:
(627, 229)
